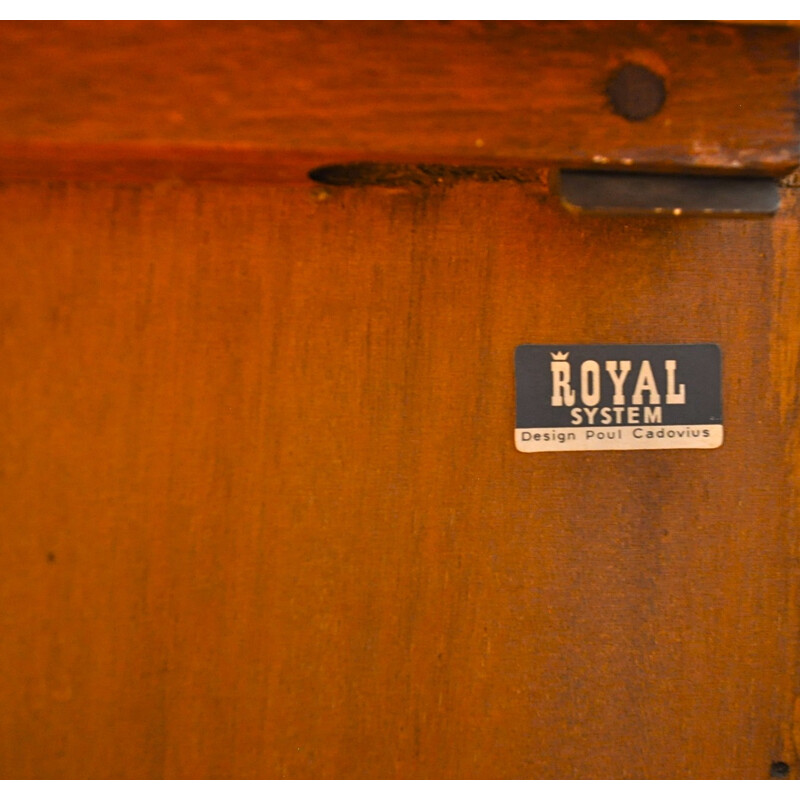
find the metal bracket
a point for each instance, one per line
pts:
(603, 192)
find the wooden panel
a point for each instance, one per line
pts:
(261, 508)
(263, 516)
(457, 92)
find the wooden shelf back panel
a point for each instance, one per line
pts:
(261, 513)
(263, 516)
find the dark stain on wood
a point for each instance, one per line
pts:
(369, 173)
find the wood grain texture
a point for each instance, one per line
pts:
(263, 516)
(436, 92)
(785, 358)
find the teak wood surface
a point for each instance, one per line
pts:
(285, 97)
(261, 514)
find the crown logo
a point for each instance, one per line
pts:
(559, 356)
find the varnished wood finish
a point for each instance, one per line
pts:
(463, 92)
(261, 514)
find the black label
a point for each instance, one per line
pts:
(618, 397)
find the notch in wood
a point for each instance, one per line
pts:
(645, 193)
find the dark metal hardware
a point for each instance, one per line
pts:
(647, 193)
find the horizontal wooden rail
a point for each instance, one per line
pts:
(281, 98)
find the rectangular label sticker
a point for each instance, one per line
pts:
(618, 397)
